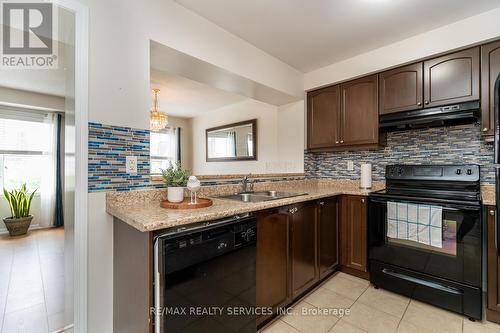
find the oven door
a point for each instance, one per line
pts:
(459, 257)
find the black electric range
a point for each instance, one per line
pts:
(425, 235)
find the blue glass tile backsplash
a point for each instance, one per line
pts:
(439, 145)
(108, 148)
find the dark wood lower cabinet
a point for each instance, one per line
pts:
(300, 245)
(493, 297)
(353, 233)
(303, 221)
(272, 281)
(328, 236)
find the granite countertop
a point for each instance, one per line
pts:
(488, 194)
(141, 209)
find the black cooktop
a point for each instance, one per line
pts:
(449, 182)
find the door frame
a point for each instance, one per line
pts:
(81, 12)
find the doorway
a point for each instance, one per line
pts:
(43, 125)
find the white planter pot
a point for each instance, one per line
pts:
(175, 194)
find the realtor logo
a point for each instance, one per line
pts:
(29, 38)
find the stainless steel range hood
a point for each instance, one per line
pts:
(445, 115)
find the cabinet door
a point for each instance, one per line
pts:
(353, 232)
(493, 311)
(328, 236)
(401, 89)
(452, 78)
(303, 246)
(323, 107)
(490, 69)
(359, 116)
(272, 259)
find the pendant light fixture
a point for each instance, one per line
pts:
(157, 120)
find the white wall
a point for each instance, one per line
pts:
(291, 136)
(267, 138)
(469, 31)
(280, 138)
(100, 266)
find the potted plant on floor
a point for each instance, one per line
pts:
(176, 180)
(20, 203)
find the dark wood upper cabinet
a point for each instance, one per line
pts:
(323, 109)
(490, 69)
(354, 232)
(359, 113)
(493, 297)
(400, 89)
(272, 259)
(328, 236)
(452, 78)
(303, 219)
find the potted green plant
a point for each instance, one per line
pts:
(20, 204)
(176, 180)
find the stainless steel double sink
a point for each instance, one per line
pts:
(261, 196)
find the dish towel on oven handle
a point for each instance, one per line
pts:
(414, 222)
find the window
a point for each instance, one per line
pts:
(164, 149)
(24, 143)
(222, 144)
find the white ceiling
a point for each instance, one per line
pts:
(181, 97)
(309, 34)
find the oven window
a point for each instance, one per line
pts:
(421, 229)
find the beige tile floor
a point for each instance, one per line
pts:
(32, 282)
(371, 310)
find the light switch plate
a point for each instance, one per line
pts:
(131, 165)
(350, 165)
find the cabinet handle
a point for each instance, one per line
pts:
(336, 142)
(363, 200)
(293, 210)
(341, 141)
(485, 129)
(426, 102)
(321, 203)
(492, 212)
(419, 104)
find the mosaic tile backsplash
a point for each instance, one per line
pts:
(108, 148)
(439, 145)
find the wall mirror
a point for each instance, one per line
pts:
(233, 142)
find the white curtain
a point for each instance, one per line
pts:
(48, 182)
(171, 144)
(231, 144)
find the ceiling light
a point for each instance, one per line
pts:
(157, 120)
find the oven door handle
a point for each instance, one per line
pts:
(444, 206)
(421, 282)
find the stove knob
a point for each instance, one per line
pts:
(458, 172)
(469, 172)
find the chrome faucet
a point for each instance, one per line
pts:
(247, 184)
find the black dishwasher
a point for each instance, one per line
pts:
(205, 277)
